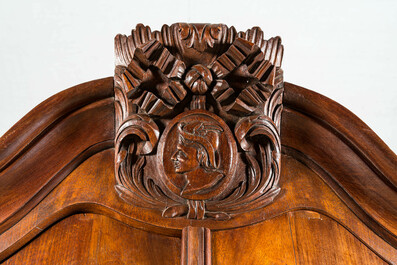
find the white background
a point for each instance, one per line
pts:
(345, 50)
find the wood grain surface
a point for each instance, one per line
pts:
(303, 189)
(196, 152)
(97, 239)
(320, 240)
(268, 242)
(49, 142)
(299, 237)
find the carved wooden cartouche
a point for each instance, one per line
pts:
(198, 111)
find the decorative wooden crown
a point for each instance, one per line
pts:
(198, 109)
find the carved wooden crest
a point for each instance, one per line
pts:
(198, 110)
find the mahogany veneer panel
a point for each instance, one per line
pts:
(97, 239)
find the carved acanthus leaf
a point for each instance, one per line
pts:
(184, 162)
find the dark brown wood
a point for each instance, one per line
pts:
(178, 159)
(268, 242)
(96, 239)
(228, 86)
(349, 175)
(196, 246)
(317, 237)
(49, 142)
(299, 237)
(90, 194)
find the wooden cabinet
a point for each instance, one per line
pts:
(195, 152)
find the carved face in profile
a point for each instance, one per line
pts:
(185, 158)
(196, 154)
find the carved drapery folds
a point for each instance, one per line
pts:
(198, 110)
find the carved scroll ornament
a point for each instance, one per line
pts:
(198, 110)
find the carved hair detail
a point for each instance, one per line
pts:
(206, 139)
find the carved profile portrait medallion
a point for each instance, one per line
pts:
(197, 155)
(198, 110)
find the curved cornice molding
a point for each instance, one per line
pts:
(49, 142)
(350, 157)
(40, 120)
(348, 127)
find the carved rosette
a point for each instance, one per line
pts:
(198, 109)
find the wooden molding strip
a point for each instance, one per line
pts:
(62, 132)
(375, 226)
(348, 127)
(359, 163)
(39, 120)
(196, 246)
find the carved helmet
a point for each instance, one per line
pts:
(205, 138)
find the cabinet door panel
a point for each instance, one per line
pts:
(268, 242)
(300, 237)
(320, 240)
(96, 239)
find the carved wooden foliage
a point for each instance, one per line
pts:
(198, 110)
